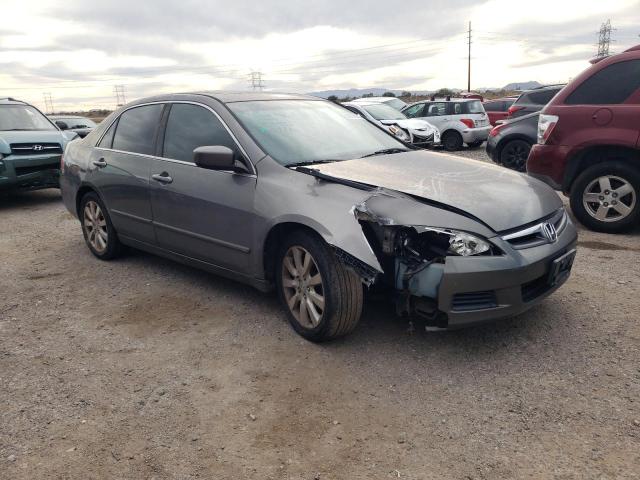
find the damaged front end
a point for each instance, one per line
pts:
(413, 259)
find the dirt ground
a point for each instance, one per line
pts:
(145, 369)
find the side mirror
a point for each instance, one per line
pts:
(62, 125)
(214, 158)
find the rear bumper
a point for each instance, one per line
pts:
(29, 172)
(548, 163)
(471, 135)
(479, 289)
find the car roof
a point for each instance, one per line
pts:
(11, 101)
(361, 104)
(374, 99)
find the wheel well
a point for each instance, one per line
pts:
(81, 193)
(273, 240)
(594, 155)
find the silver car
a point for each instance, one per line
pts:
(391, 101)
(410, 130)
(460, 120)
(300, 194)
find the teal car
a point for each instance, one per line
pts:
(31, 147)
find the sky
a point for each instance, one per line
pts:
(78, 50)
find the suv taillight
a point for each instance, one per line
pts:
(546, 124)
(468, 122)
(513, 109)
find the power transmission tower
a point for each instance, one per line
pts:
(119, 91)
(255, 81)
(48, 103)
(604, 39)
(469, 61)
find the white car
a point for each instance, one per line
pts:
(391, 101)
(418, 132)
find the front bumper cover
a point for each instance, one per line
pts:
(30, 172)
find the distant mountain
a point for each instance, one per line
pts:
(354, 92)
(522, 86)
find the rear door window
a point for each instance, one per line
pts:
(191, 126)
(414, 110)
(136, 130)
(543, 97)
(612, 85)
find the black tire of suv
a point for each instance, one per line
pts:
(475, 144)
(114, 247)
(341, 288)
(451, 141)
(618, 169)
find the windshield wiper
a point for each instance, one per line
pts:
(386, 151)
(310, 162)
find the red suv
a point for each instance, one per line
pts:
(589, 143)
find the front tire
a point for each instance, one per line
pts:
(451, 141)
(604, 197)
(322, 297)
(98, 231)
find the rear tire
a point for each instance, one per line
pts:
(514, 155)
(606, 197)
(322, 297)
(98, 231)
(451, 141)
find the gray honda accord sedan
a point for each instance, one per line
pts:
(298, 193)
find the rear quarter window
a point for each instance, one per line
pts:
(613, 84)
(541, 98)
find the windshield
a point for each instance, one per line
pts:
(395, 103)
(77, 122)
(23, 117)
(475, 107)
(307, 131)
(382, 111)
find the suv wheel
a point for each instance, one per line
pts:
(322, 297)
(98, 231)
(452, 141)
(605, 197)
(514, 155)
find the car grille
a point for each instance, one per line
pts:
(37, 168)
(534, 236)
(35, 148)
(474, 301)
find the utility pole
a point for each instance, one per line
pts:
(48, 103)
(469, 61)
(119, 91)
(604, 39)
(255, 81)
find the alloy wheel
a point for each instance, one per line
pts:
(515, 156)
(609, 198)
(95, 226)
(303, 287)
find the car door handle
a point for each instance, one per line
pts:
(100, 163)
(162, 177)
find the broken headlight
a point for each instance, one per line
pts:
(400, 133)
(465, 244)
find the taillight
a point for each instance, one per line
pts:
(468, 122)
(546, 124)
(496, 130)
(513, 109)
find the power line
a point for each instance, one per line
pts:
(48, 102)
(604, 39)
(255, 81)
(119, 91)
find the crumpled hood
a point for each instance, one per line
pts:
(43, 136)
(499, 197)
(411, 124)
